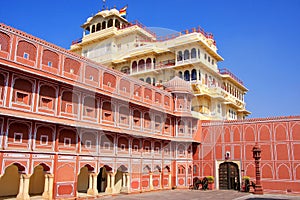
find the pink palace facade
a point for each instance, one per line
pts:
(73, 128)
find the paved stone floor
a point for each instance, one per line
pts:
(198, 194)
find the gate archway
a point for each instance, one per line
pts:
(229, 177)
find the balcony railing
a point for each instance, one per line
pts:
(151, 66)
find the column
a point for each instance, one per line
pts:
(113, 190)
(95, 175)
(170, 180)
(26, 187)
(92, 184)
(21, 185)
(160, 180)
(124, 180)
(45, 194)
(108, 188)
(151, 181)
(51, 177)
(128, 182)
(90, 190)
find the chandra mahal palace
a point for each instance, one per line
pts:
(126, 111)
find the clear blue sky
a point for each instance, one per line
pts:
(259, 39)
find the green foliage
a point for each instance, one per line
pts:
(210, 179)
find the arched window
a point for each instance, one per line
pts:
(194, 75)
(193, 53)
(198, 53)
(98, 27)
(187, 75)
(141, 79)
(179, 56)
(134, 67)
(103, 25)
(117, 23)
(199, 75)
(141, 65)
(148, 80)
(153, 81)
(180, 74)
(186, 54)
(93, 28)
(87, 31)
(110, 23)
(148, 63)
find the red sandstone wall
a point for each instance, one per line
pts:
(279, 139)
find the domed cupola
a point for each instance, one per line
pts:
(178, 85)
(182, 93)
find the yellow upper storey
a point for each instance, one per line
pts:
(192, 55)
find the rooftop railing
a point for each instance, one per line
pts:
(225, 71)
(161, 38)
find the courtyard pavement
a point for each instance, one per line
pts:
(198, 194)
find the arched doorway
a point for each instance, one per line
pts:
(229, 177)
(37, 181)
(9, 182)
(120, 178)
(85, 181)
(102, 178)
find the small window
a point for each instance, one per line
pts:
(49, 64)
(106, 145)
(219, 108)
(205, 56)
(44, 140)
(71, 71)
(213, 61)
(109, 84)
(181, 152)
(137, 94)
(136, 147)
(147, 149)
(69, 107)
(123, 146)
(157, 150)
(166, 151)
(46, 103)
(147, 97)
(88, 144)
(26, 55)
(67, 142)
(157, 125)
(107, 114)
(208, 58)
(22, 98)
(181, 130)
(195, 169)
(91, 78)
(89, 111)
(124, 89)
(18, 137)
